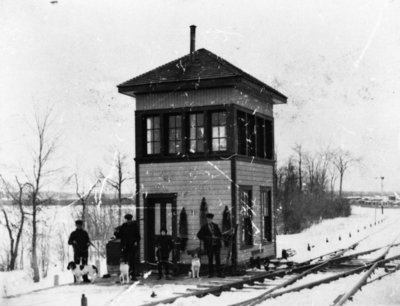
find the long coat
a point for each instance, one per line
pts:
(206, 235)
(79, 239)
(129, 234)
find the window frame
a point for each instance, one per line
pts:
(152, 130)
(219, 127)
(177, 140)
(244, 189)
(266, 205)
(196, 139)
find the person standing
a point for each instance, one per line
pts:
(79, 239)
(164, 247)
(129, 234)
(211, 236)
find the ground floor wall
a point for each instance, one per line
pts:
(191, 181)
(256, 177)
(213, 181)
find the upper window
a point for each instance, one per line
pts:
(255, 136)
(153, 135)
(218, 131)
(196, 133)
(175, 134)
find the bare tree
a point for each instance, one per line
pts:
(83, 196)
(120, 165)
(14, 229)
(41, 156)
(298, 148)
(342, 160)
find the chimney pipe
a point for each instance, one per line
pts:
(192, 40)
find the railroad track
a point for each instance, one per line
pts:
(341, 299)
(287, 276)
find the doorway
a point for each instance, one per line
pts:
(159, 212)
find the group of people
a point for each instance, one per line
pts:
(129, 235)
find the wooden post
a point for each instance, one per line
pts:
(84, 300)
(56, 280)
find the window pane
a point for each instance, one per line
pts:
(192, 146)
(192, 133)
(214, 132)
(149, 136)
(149, 123)
(200, 146)
(156, 135)
(214, 119)
(171, 121)
(156, 122)
(222, 144)
(222, 131)
(149, 151)
(200, 133)
(171, 147)
(178, 134)
(178, 121)
(156, 148)
(200, 120)
(192, 120)
(215, 145)
(222, 118)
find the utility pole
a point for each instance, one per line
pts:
(381, 178)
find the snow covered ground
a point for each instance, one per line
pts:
(359, 225)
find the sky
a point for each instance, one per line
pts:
(337, 61)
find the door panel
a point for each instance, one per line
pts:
(160, 212)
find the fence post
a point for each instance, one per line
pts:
(56, 280)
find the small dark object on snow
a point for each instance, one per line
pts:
(53, 2)
(358, 230)
(153, 294)
(285, 254)
(365, 227)
(340, 238)
(350, 235)
(308, 247)
(83, 300)
(327, 240)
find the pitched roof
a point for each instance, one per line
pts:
(203, 65)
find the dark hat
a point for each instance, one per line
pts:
(163, 229)
(209, 215)
(78, 222)
(128, 217)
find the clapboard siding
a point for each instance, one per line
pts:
(255, 175)
(191, 181)
(203, 97)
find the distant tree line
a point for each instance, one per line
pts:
(306, 188)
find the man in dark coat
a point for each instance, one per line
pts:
(79, 239)
(211, 236)
(164, 247)
(130, 237)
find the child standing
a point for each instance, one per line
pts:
(164, 247)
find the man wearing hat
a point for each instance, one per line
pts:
(130, 237)
(79, 239)
(211, 236)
